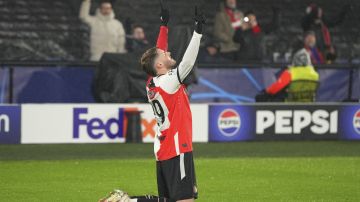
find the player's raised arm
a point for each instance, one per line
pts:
(192, 50)
(162, 41)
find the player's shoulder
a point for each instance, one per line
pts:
(169, 82)
(172, 72)
(156, 81)
(167, 75)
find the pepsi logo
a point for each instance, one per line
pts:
(229, 122)
(356, 121)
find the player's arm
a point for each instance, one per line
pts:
(162, 41)
(192, 50)
(174, 78)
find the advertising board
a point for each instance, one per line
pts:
(95, 123)
(273, 122)
(10, 124)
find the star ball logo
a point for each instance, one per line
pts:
(356, 121)
(229, 122)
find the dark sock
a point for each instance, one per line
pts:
(149, 198)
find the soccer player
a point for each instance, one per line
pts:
(169, 100)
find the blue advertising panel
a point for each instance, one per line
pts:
(349, 126)
(10, 124)
(229, 123)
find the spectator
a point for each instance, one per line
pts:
(210, 54)
(310, 46)
(107, 33)
(300, 70)
(315, 20)
(251, 36)
(227, 20)
(137, 41)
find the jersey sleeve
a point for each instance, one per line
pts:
(171, 81)
(162, 41)
(189, 58)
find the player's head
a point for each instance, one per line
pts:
(156, 61)
(105, 7)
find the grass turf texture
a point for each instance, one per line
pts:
(251, 171)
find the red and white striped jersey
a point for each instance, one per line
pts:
(169, 100)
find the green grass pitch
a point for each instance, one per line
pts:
(250, 171)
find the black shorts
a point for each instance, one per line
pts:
(176, 177)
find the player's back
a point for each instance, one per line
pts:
(171, 108)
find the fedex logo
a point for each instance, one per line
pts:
(95, 127)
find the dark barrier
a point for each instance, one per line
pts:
(52, 85)
(242, 84)
(71, 83)
(284, 122)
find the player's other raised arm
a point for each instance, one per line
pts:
(162, 41)
(192, 50)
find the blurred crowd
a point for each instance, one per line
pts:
(109, 34)
(237, 36)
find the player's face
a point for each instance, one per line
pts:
(164, 59)
(106, 9)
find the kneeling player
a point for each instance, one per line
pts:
(168, 98)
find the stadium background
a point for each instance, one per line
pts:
(48, 149)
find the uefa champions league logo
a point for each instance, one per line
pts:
(356, 121)
(229, 122)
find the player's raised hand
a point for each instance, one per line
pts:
(200, 20)
(165, 14)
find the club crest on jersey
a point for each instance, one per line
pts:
(171, 72)
(229, 122)
(356, 121)
(151, 94)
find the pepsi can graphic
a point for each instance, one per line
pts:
(349, 126)
(229, 123)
